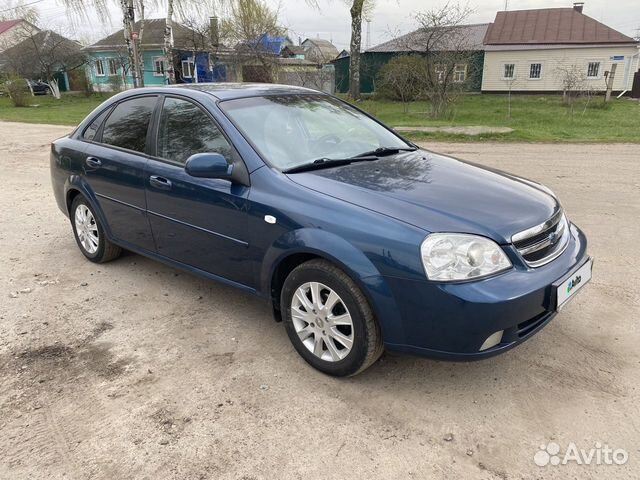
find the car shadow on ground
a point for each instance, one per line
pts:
(254, 314)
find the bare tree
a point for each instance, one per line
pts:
(247, 27)
(18, 9)
(195, 39)
(41, 55)
(359, 10)
(574, 82)
(169, 71)
(447, 51)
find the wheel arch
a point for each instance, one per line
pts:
(76, 185)
(299, 246)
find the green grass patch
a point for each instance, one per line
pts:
(534, 118)
(69, 110)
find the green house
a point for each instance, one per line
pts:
(373, 59)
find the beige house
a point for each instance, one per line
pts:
(13, 32)
(538, 50)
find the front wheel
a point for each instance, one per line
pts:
(89, 233)
(329, 320)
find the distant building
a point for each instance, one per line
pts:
(15, 31)
(292, 51)
(109, 65)
(414, 43)
(527, 51)
(319, 51)
(44, 55)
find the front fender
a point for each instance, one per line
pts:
(347, 257)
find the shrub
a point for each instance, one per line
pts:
(401, 78)
(18, 91)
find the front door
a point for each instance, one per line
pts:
(200, 222)
(114, 166)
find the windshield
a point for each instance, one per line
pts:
(292, 130)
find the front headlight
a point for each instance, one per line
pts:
(449, 257)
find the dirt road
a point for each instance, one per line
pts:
(135, 370)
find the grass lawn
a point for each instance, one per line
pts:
(69, 110)
(534, 118)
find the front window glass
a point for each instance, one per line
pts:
(186, 130)
(292, 130)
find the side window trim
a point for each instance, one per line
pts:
(149, 127)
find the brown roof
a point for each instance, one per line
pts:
(550, 26)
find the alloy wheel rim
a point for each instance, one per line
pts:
(87, 229)
(322, 321)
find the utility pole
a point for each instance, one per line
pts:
(610, 79)
(506, 5)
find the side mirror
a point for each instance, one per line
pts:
(208, 165)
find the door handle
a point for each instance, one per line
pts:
(93, 162)
(160, 182)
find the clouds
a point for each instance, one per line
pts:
(391, 17)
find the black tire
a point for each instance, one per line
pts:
(106, 250)
(367, 339)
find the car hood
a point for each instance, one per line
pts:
(438, 194)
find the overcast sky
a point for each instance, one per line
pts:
(331, 21)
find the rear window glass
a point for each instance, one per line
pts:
(127, 126)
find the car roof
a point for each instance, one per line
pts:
(227, 91)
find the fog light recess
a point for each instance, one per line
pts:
(493, 340)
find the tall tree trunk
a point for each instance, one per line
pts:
(128, 19)
(356, 41)
(169, 73)
(139, 43)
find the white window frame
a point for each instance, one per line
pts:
(504, 71)
(100, 68)
(110, 62)
(190, 67)
(600, 69)
(155, 70)
(535, 79)
(463, 71)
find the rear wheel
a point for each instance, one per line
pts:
(89, 233)
(329, 320)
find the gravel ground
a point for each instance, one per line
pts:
(136, 370)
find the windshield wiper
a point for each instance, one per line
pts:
(328, 163)
(383, 151)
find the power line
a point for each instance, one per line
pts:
(21, 6)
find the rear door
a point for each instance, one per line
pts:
(201, 222)
(114, 166)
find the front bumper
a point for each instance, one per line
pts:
(452, 321)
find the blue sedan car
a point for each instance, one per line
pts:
(360, 240)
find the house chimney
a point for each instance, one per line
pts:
(578, 6)
(214, 32)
